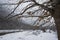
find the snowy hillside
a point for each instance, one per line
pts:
(30, 35)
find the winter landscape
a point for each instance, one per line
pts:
(26, 20)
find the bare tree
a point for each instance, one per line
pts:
(51, 7)
(18, 16)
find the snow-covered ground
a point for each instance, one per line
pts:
(6, 31)
(30, 35)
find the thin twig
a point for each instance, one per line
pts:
(14, 9)
(13, 3)
(21, 13)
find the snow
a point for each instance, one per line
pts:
(9, 1)
(30, 35)
(41, 1)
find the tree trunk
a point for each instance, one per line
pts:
(57, 19)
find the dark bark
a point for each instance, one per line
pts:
(56, 16)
